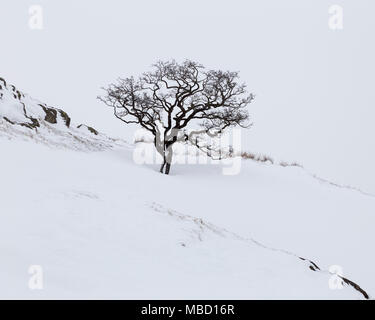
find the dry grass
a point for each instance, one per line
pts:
(291, 164)
(257, 157)
(264, 159)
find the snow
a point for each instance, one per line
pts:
(12, 107)
(103, 227)
(16, 110)
(102, 224)
(100, 220)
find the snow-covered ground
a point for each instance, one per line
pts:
(102, 226)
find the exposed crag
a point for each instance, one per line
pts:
(22, 116)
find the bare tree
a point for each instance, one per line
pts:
(174, 98)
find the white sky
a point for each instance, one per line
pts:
(314, 86)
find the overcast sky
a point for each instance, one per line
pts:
(313, 85)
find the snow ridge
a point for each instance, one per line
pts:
(201, 227)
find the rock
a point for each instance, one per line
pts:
(91, 129)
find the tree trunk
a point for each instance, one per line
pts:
(167, 153)
(166, 162)
(162, 167)
(167, 168)
(168, 158)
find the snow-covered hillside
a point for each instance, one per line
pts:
(23, 117)
(101, 226)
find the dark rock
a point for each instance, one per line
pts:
(65, 116)
(51, 114)
(91, 129)
(5, 84)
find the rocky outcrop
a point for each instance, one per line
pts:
(18, 109)
(91, 129)
(21, 116)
